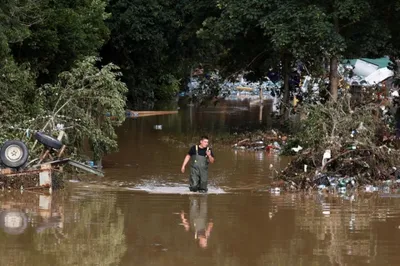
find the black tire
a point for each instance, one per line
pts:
(14, 154)
(13, 222)
(48, 141)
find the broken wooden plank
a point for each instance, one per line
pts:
(135, 114)
(6, 171)
(244, 88)
(131, 113)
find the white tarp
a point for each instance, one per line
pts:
(363, 68)
(379, 76)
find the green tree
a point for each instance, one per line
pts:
(66, 31)
(312, 32)
(358, 29)
(155, 44)
(16, 18)
(91, 101)
(18, 96)
(268, 34)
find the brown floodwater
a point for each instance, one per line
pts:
(142, 214)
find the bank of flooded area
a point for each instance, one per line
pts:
(142, 213)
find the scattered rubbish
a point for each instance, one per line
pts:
(370, 188)
(269, 141)
(366, 71)
(276, 190)
(297, 149)
(354, 138)
(322, 180)
(326, 213)
(277, 146)
(327, 155)
(157, 127)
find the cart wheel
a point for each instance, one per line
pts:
(48, 141)
(14, 154)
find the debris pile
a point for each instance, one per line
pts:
(45, 171)
(344, 144)
(270, 141)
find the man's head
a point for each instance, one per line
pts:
(204, 141)
(203, 242)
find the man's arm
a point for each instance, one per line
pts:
(185, 221)
(209, 229)
(185, 161)
(210, 156)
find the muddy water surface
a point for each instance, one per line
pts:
(142, 214)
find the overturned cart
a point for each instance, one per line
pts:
(43, 172)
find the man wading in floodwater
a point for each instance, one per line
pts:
(201, 156)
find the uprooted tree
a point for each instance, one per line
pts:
(356, 139)
(86, 103)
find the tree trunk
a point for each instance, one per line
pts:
(333, 74)
(285, 106)
(333, 78)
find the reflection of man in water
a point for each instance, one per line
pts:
(198, 220)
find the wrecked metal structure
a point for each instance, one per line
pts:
(42, 172)
(366, 71)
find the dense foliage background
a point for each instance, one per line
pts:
(158, 43)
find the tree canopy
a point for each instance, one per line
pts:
(157, 44)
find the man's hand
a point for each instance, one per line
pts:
(187, 159)
(210, 157)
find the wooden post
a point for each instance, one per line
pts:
(45, 176)
(47, 152)
(6, 171)
(61, 152)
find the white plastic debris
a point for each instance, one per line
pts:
(297, 149)
(326, 213)
(276, 190)
(395, 94)
(277, 146)
(60, 126)
(361, 127)
(370, 188)
(327, 155)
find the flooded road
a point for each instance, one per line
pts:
(142, 214)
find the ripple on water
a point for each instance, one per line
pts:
(172, 188)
